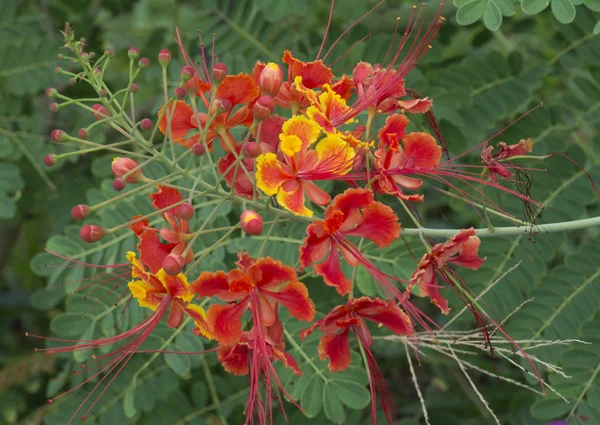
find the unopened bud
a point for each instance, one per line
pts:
(219, 72)
(79, 212)
(144, 63)
(119, 184)
(92, 55)
(187, 72)
(222, 105)
(57, 69)
(53, 107)
(82, 133)
(122, 166)
(84, 56)
(109, 52)
(251, 222)
(252, 149)
(133, 53)
(198, 149)
(270, 79)
(133, 88)
(180, 93)
(146, 124)
(100, 112)
(72, 81)
(164, 57)
(91, 233)
(60, 56)
(102, 93)
(173, 264)
(51, 93)
(263, 107)
(185, 211)
(50, 160)
(59, 136)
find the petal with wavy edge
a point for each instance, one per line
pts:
(270, 174)
(421, 151)
(294, 297)
(225, 321)
(336, 348)
(332, 274)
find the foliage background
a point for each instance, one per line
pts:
(493, 60)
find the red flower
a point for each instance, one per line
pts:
(257, 284)
(461, 250)
(492, 161)
(335, 346)
(353, 213)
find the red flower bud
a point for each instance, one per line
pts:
(82, 133)
(118, 184)
(164, 57)
(251, 222)
(173, 264)
(146, 124)
(252, 149)
(72, 81)
(219, 72)
(270, 79)
(53, 107)
(198, 149)
(263, 107)
(79, 212)
(100, 112)
(110, 53)
(185, 211)
(222, 105)
(180, 93)
(84, 56)
(144, 63)
(50, 160)
(133, 88)
(57, 69)
(133, 53)
(187, 72)
(169, 235)
(51, 93)
(102, 93)
(59, 136)
(121, 166)
(91, 233)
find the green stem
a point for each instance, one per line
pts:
(213, 390)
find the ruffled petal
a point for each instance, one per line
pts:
(153, 251)
(234, 358)
(426, 278)
(165, 197)
(294, 297)
(316, 245)
(142, 292)
(181, 124)
(385, 313)
(306, 130)
(344, 87)
(314, 74)
(294, 201)
(378, 223)
(270, 129)
(288, 361)
(270, 174)
(421, 151)
(468, 255)
(238, 89)
(198, 315)
(139, 227)
(348, 201)
(332, 274)
(268, 273)
(210, 284)
(416, 106)
(225, 321)
(335, 157)
(336, 348)
(395, 125)
(176, 286)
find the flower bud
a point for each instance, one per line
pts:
(222, 105)
(102, 93)
(72, 81)
(133, 53)
(164, 57)
(97, 71)
(51, 93)
(144, 63)
(57, 69)
(133, 88)
(118, 184)
(82, 133)
(219, 72)
(173, 264)
(84, 56)
(109, 52)
(185, 211)
(187, 72)
(92, 55)
(146, 124)
(198, 149)
(79, 212)
(100, 112)
(180, 93)
(91, 233)
(169, 235)
(59, 136)
(60, 56)
(270, 79)
(252, 149)
(121, 166)
(53, 107)
(251, 222)
(50, 160)
(263, 107)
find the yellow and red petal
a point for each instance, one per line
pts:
(225, 321)
(416, 106)
(210, 284)
(294, 297)
(294, 201)
(198, 315)
(336, 348)
(290, 144)
(180, 114)
(378, 223)
(153, 251)
(335, 156)
(270, 174)
(395, 125)
(142, 292)
(331, 272)
(288, 361)
(344, 87)
(421, 151)
(137, 268)
(268, 273)
(314, 74)
(176, 286)
(300, 126)
(238, 89)
(234, 358)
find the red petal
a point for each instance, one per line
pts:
(331, 272)
(378, 223)
(468, 255)
(416, 106)
(153, 251)
(211, 284)
(336, 348)
(288, 361)
(361, 72)
(344, 87)
(234, 358)
(238, 89)
(165, 197)
(294, 297)
(270, 129)
(315, 193)
(316, 245)
(181, 113)
(314, 74)
(394, 125)
(139, 227)
(225, 321)
(421, 151)
(268, 273)
(175, 315)
(351, 199)
(426, 277)
(386, 313)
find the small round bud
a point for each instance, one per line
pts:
(252, 149)
(100, 112)
(60, 56)
(82, 133)
(50, 160)
(187, 72)
(91, 233)
(219, 72)
(173, 264)
(164, 57)
(263, 107)
(118, 184)
(97, 71)
(185, 211)
(146, 124)
(222, 105)
(102, 93)
(79, 212)
(251, 222)
(54, 107)
(59, 136)
(121, 166)
(198, 149)
(180, 93)
(92, 55)
(133, 88)
(51, 93)
(144, 63)
(133, 53)
(72, 81)
(84, 56)
(57, 69)
(270, 79)
(109, 52)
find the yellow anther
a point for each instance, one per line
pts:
(429, 47)
(398, 18)
(380, 325)
(26, 333)
(415, 6)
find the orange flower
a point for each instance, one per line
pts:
(291, 174)
(492, 161)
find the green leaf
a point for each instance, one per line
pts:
(129, 400)
(352, 394)
(592, 4)
(312, 398)
(181, 365)
(533, 7)
(332, 405)
(470, 12)
(596, 29)
(563, 10)
(492, 18)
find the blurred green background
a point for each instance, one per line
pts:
(492, 61)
